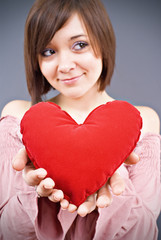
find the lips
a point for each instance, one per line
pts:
(71, 80)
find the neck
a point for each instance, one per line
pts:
(79, 108)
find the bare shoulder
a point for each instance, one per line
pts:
(16, 108)
(151, 121)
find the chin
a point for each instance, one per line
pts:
(74, 94)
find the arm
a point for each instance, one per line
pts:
(13, 214)
(148, 169)
(137, 209)
(16, 108)
(151, 121)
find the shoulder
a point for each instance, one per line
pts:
(151, 121)
(16, 108)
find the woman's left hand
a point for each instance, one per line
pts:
(103, 197)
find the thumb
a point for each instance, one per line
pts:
(20, 160)
(133, 158)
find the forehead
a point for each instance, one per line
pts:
(74, 26)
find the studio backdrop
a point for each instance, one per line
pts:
(137, 76)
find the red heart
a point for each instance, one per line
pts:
(80, 157)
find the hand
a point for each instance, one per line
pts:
(103, 198)
(36, 177)
(45, 186)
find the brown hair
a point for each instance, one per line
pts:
(45, 18)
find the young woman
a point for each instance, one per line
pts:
(70, 46)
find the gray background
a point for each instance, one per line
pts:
(137, 76)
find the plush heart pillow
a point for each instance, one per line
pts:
(80, 157)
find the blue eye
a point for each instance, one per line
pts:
(47, 52)
(79, 45)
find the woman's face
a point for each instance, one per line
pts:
(69, 63)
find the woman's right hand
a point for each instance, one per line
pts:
(37, 178)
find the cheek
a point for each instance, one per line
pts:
(92, 64)
(47, 69)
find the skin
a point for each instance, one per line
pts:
(71, 66)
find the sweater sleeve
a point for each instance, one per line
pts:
(133, 214)
(18, 204)
(145, 175)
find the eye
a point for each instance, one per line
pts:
(47, 52)
(79, 45)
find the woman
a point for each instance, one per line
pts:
(70, 46)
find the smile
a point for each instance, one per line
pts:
(71, 80)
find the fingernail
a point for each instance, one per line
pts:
(117, 190)
(48, 186)
(103, 202)
(13, 162)
(42, 174)
(137, 156)
(82, 214)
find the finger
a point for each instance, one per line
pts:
(45, 188)
(20, 160)
(117, 183)
(64, 204)
(33, 176)
(133, 158)
(104, 197)
(56, 196)
(72, 208)
(88, 206)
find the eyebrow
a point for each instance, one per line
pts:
(77, 36)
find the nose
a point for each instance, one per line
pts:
(65, 62)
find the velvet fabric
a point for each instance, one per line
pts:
(80, 157)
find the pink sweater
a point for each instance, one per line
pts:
(132, 216)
